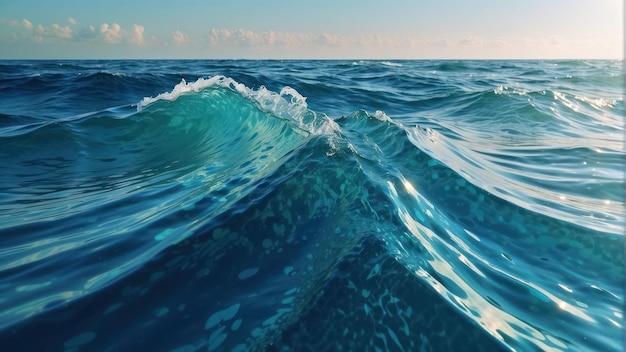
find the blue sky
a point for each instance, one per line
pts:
(418, 29)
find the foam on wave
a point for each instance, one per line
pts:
(288, 104)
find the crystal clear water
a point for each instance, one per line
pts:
(311, 205)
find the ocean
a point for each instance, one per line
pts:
(349, 205)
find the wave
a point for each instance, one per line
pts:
(268, 197)
(99, 175)
(456, 212)
(294, 110)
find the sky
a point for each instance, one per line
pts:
(321, 29)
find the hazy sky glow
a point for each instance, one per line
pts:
(411, 29)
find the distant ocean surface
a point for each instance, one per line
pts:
(312, 205)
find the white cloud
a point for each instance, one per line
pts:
(135, 37)
(111, 34)
(246, 37)
(250, 43)
(333, 39)
(41, 32)
(115, 34)
(219, 35)
(27, 24)
(180, 38)
(54, 31)
(472, 41)
(64, 32)
(329, 44)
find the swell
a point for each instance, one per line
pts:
(554, 152)
(50, 92)
(465, 236)
(171, 185)
(127, 186)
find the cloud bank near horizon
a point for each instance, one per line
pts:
(248, 43)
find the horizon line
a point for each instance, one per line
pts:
(315, 59)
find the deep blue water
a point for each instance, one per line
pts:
(311, 205)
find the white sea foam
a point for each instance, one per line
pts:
(180, 89)
(381, 116)
(391, 64)
(509, 90)
(598, 103)
(287, 105)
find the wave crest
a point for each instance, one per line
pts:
(198, 149)
(287, 105)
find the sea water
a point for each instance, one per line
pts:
(312, 205)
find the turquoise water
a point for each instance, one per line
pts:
(312, 205)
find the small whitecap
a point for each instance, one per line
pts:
(381, 116)
(391, 64)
